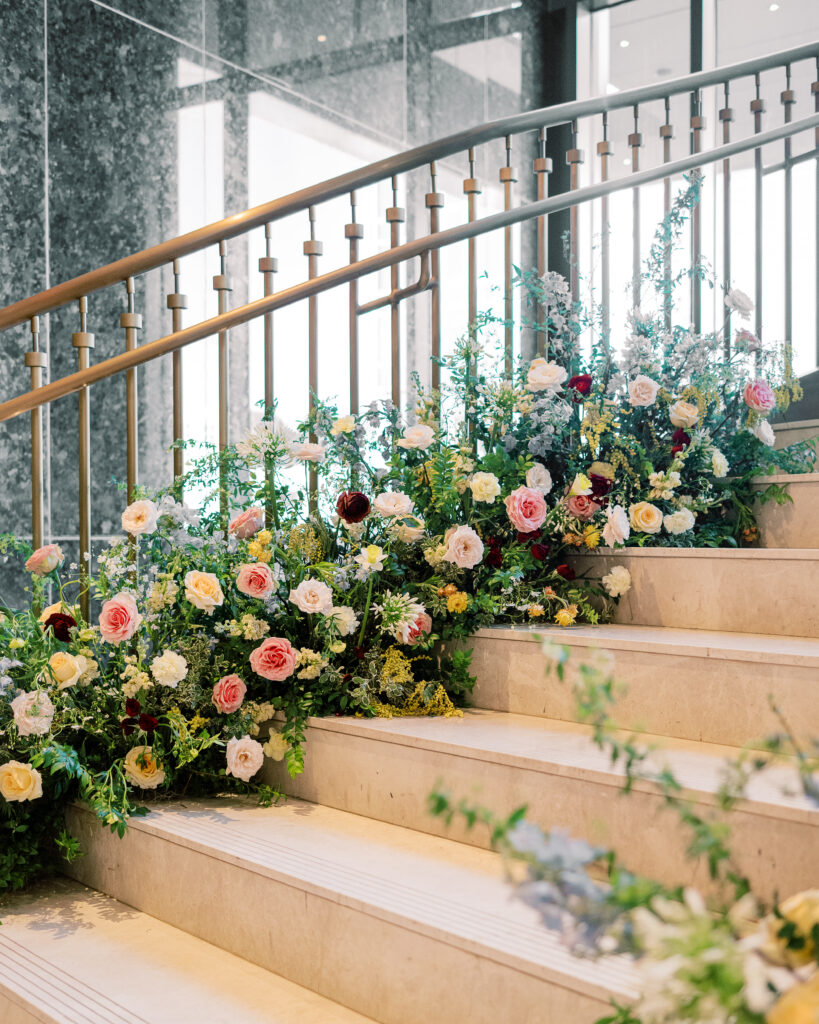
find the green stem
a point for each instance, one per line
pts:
(366, 609)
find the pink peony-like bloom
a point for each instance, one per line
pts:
(228, 694)
(759, 396)
(119, 618)
(419, 629)
(526, 509)
(45, 560)
(582, 506)
(247, 523)
(464, 547)
(274, 659)
(256, 580)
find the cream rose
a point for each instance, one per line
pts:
(543, 376)
(642, 390)
(539, 478)
(684, 414)
(312, 596)
(140, 517)
(19, 782)
(680, 521)
(343, 425)
(485, 487)
(419, 437)
(244, 757)
(617, 529)
(464, 547)
(391, 504)
(45, 560)
(33, 713)
(203, 591)
(739, 301)
(169, 669)
(142, 769)
(66, 669)
(645, 517)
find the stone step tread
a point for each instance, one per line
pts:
(69, 955)
(711, 554)
(704, 643)
(558, 747)
(439, 888)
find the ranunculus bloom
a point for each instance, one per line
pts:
(256, 580)
(684, 414)
(601, 485)
(759, 396)
(119, 618)
(228, 694)
(523, 537)
(33, 713)
(352, 506)
(642, 390)
(391, 504)
(681, 438)
(581, 506)
(140, 517)
(274, 659)
(247, 523)
(566, 571)
(45, 560)
(312, 596)
(203, 591)
(645, 517)
(61, 624)
(19, 782)
(142, 769)
(244, 758)
(617, 529)
(420, 436)
(543, 376)
(526, 509)
(464, 547)
(581, 385)
(494, 559)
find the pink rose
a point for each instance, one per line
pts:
(247, 523)
(119, 618)
(255, 580)
(759, 396)
(45, 560)
(419, 629)
(526, 509)
(581, 506)
(229, 693)
(274, 659)
(464, 547)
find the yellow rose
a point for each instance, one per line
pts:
(645, 517)
(19, 782)
(203, 591)
(66, 668)
(142, 768)
(484, 487)
(803, 911)
(457, 603)
(799, 1005)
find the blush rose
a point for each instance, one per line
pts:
(526, 509)
(228, 694)
(274, 659)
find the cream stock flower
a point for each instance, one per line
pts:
(642, 390)
(645, 517)
(19, 782)
(420, 436)
(169, 669)
(312, 596)
(545, 376)
(684, 414)
(719, 464)
(276, 746)
(203, 591)
(485, 487)
(140, 517)
(142, 769)
(345, 619)
(393, 504)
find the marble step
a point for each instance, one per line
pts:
(691, 684)
(750, 590)
(798, 430)
(383, 768)
(69, 955)
(403, 927)
(796, 523)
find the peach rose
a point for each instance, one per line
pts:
(684, 414)
(247, 523)
(645, 517)
(119, 618)
(543, 376)
(203, 591)
(526, 509)
(45, 560)
(463, 547)
(244, 757)
(274, 659)
(140, 517)
(759, 396)
(19, 782)
(143, 769)
(642, 390)
(228, 694)
(312, 596)
(581, 506)
(256, 580)
(420, 437)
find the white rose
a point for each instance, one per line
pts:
(543, 376)
(642, 390)
(617, 529)
(539, 478)
(345, 619)
(33, 713)
(617, 581)
(410, 534)
(393, 504)
(244, 757)
(679, 521)
(739, 301)
(19, 782)
(140, 517)
(420, 436)
(464, 548)
(484, 487)
(306, 452)
(645, 517)
(343, 425)
(719, 464)
(142, 768)
(684, 414)
(169, 669)
(764, 432)
(312, 596)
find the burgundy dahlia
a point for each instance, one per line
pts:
(581, 385)
(527, 538)
(132, 707)
(680, 437)
(60, 623)
(539, 551)
(601, 485)
(494, 559)
(352, 506)
(566, 571)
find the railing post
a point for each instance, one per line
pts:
(507, 179)
(354, 232)
(131, 322)
(434, 201)
(635, 141)
(176, 303)
(395, 217)
(221, 285)
(83, 342)
(268, 266)
(312, 250)
(574, 158)
(788, 98)
(667, 134)
(605, 151)
(36, 361)
(726, 115)
(542, 167)
(697, 126)
(758, 109)
(471, 190)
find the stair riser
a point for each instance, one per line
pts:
(378, 967)
(796, 523)
(387, 780)
(734, 591)
(693, 697)
(13, 1013)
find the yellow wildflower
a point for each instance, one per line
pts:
(197, 722)
(264, 537)
(535, 611)
(566, 616)
(265, 556)
(254, 549)
(799, 1005)
(457, 603)
(16, 643)
(591, 536)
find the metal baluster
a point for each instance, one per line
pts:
(355, 232)
(471, 190)
(635, 141)
(131, 322)
(788, 99)
(667, 134)
(36, 361)
(758, 109)
(507, 178)
(574, 158)
(312, 250)
(221, 285)
(542, 168)
(83, 342)
(395, 217)
(726, 115)
(604, 151)
(434, 201)
(815, 90)
(268, 266)
(176, 303)
(697, 126)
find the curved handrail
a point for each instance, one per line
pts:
(229, 227)
(242, 314)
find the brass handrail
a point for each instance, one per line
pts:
(172, 342)
(211, 234)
